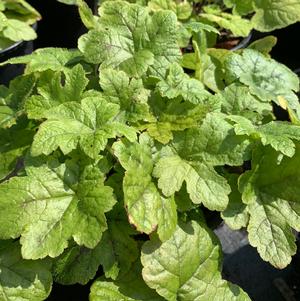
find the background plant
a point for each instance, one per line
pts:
(16, 18)
(231, 18)
(115, 140)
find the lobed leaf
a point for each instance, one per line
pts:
(52, 204)
(88, 124)
(21, 279)
(130, 39)
(271, 191)
(187, 266)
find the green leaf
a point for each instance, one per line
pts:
(86, 15)
(16, 30)
(134, 155)
(236, 99)
(183, 10)
(213, 143)
(198, 27)
(270, 14)
(176, 116)
(147, 208)
(271, 191)
(183, 35)
(129, 287)
(55, 59)
(117, 250)
(88, 124)
(128, 93)
(208, 66)
(7, 116)
(192, 155)
(21, 10)
(238, 26)
(235, 215)
(178, 83)
(13, 143)
(204, 185)
(52, 204)
(179, 269)
(264, 76)
(279, 135)
(23, 280)
(132, 40)
(264, 45)
(52, 93)
(13, 99)
(240, 7)
(77, 264)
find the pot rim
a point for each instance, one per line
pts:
(244, 42)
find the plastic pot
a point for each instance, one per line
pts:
(244, 42)
(9, 72)
(287, 50)
(236, 43)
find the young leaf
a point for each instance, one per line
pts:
(175, 115)
(21, 279)
(264, 45)
(52, 92)
(52, 204)
(132, 40)
(238, 26)
(178, 83)
(198, 27)
(88, 124)
(128, 93)
(187, 266)
(147, 208)
(272, 192)
(86, 15)
(55, 59)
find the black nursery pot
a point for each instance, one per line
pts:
(244, 42)
(9, 72)
(287, 49)
(60, 25)
(235, 43)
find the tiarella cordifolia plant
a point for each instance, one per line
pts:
(16, 18)
(101, 144)
(232, 18)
